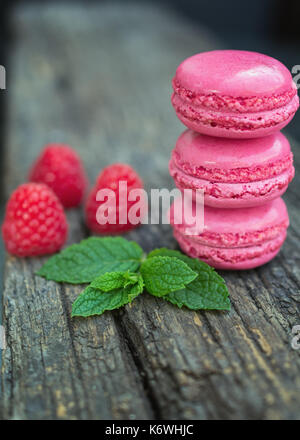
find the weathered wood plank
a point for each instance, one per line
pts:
(99, 78)
(72, 79)
(61, 368)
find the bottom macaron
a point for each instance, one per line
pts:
(235, 239)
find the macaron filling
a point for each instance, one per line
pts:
(233, 120)
(232, 191)
(237, 104)
(221, 256)
(235, 240)
(233, 175)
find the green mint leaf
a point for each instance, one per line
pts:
(109, 281)
(137, 288)
(165, 252)
(83, 262)
(133, 278)
(164, 274)
(201, 295)
(116, 280)
(95, 302)
(208, 291)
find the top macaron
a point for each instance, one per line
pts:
(234, 94)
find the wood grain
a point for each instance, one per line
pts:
(99, 78)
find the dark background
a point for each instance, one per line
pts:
(267, 26)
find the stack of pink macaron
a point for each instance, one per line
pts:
(234, 103)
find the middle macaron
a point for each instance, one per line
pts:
(233, 173)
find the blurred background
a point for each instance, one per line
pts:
(267, 26)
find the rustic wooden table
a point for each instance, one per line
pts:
(99, 79)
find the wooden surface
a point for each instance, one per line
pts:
(100, 79)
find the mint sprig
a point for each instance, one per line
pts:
(118, 273)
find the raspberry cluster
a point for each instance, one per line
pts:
(35, 222)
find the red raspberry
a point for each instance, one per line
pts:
(34, 222)
(109, 178)
(60, 167)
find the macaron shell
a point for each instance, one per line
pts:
(234, 73)
(210, 152)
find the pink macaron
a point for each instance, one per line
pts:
(235, 94)
(233, 173)
(235, 238)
